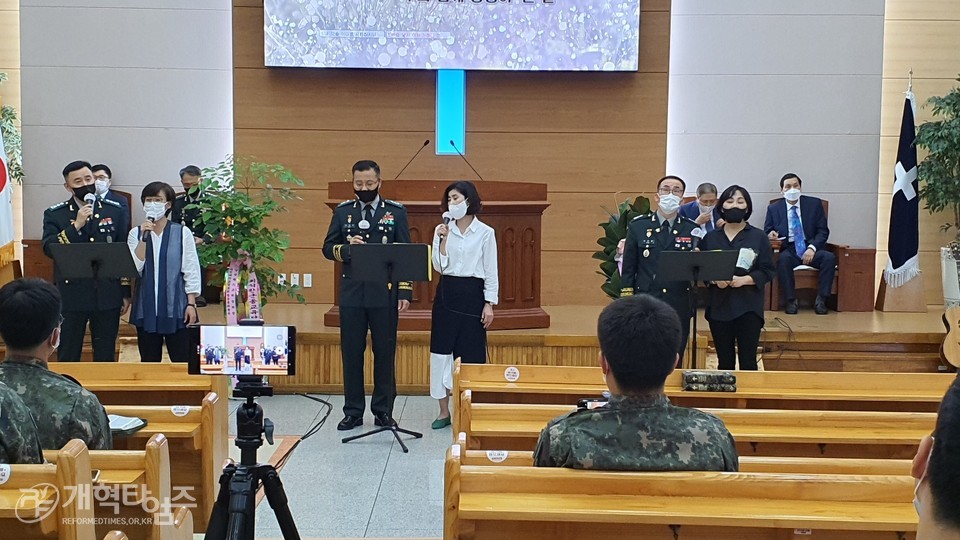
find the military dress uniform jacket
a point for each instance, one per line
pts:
(389, 226)
(646, 239)
(105, 225)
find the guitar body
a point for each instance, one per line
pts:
(950, 349)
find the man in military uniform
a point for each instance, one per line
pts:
(18, 432)
(638, 429)
(190, 217)
(368, 219)
(103, 178)
(102, 301)
(31, 328)
(647, 237)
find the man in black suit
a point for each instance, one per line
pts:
(801, 224)
(703, 211)
(103, 179)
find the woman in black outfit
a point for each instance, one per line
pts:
(735, 309)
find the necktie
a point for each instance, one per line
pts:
(665, 230)
(708, 226)
(799, 242)
(368, 214)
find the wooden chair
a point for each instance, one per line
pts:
(512, 503)
(44, 501)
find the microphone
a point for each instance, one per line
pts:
(464, 158)
(447, 218)
(143, 237)
(89, 198)
(425, 143)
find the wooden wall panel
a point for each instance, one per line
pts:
(923, 35)
(586, 135)
(10, 42)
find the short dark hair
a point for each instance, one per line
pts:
(29, 312)
(639, 336)
(469, 192)
(192, 170)
(728, 194)
(366, 165)
(156, 188)
(671, 177)
(101, 167)
(75, 166)
(788, 176)
(705, 188)
(943, 468)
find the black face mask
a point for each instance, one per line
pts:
(734, 215)
(82, 191)
(367, 196)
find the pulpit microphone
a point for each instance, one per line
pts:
(464, 158)
(425, 143)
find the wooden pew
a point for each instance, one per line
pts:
(512, 503)
(51, 508)
(916, 392)
(867, 434)
(146, 475)
(198, 448)
(139, 383)
(759, 464)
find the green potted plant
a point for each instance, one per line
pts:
(11, 139)
(237, 196)
(939, 175)
(615, 231)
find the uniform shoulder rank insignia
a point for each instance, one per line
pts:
(344, 203)
(641, 216)
(111, 202)
(688, 220)
(395, 203)
(58, 205)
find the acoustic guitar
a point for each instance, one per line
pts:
(950, 349)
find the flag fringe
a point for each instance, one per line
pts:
(898, 277)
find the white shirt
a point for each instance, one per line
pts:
(190, 265)
(470, 254)
(790, 211)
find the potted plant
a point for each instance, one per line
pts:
(939, 175)
(614, 233)
(11, 139)
(237, 196)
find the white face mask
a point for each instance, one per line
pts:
(706, 209)
(669, 203)
(155, 210)
(102, 187)
(457, 211)
(792, 194)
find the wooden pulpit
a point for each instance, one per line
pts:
(513, 209)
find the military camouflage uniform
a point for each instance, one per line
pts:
(637, 434)
(62, 408)
(18, 431)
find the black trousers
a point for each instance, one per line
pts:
(104, 326)
(738, 337)
(151, 345)
(680, 303)
(823, 260)
(354, 322)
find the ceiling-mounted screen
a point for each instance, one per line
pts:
(518, 35)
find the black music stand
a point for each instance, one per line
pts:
(697, 266)
(96, 260)
(390, 263)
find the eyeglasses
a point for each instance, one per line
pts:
(667, 191)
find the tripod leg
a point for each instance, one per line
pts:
(243, 492)
(399, 441)
(217, 526)
(278, 502)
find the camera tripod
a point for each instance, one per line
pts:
(233, 515)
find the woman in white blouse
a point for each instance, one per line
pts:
(465, 256)
(165, 254)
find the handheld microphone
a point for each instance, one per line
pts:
(464, 158)
(89, 198)
(447, 218)
(145, 234)
(425, 143)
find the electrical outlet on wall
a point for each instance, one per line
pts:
(281, 278)
(295, 279)
(307, 281)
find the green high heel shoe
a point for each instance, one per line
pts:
(440, 423)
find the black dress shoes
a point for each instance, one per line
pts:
(820, 306)
(791, 308)
(350, 422)
(384, 420)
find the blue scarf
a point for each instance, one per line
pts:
(163, 315)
